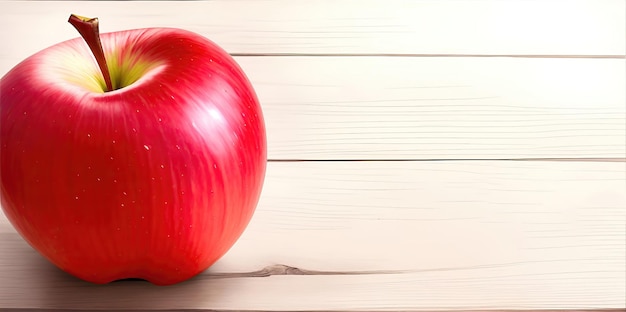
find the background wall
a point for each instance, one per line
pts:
(423, 155)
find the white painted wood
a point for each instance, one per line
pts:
(461, 235)
(434, 108)
(559, 27)
(470, 235)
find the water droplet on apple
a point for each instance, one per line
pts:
(114, 181)
(134, 130)
(118, 229)
(76, 197)
(159, 119)
(88, 135)
(146, 147)
(113, 141)
(177, 147)
(98, 179)
(214, 166)
(165, 203)
(168, 235)
(124, 193)
(162, 166)
(24, 113)
(142, 217)
(122, 204)
(137, 111)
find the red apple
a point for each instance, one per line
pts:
(154, 177)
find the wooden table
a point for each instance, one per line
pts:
(423, 155)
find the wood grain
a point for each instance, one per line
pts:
(481, 27)
(389, 236)
(441, 108)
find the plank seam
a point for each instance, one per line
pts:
(598, 159)
(383, 309)
(288, 54)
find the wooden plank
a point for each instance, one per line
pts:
(441, 108)
(377, 236)
(483, 27)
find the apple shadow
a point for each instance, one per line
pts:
(29, 281)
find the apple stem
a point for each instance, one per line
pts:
(88, 29)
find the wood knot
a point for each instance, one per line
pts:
(281, 269)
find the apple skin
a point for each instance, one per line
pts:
(156, 180)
